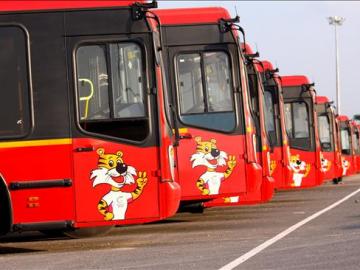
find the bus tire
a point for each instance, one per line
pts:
(5, 209)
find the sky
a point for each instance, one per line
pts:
(297, 38)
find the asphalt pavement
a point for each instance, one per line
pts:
(213, 239)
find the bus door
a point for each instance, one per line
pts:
(357, 147)
(327, 141)
(300, 130)
(115, 145)
(346, 148)
(211, 146)
(273, 127)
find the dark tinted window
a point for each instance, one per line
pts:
(325, 133)
(204, 90)
(14, 95)
(345, 141)
(269, 109)
(297, 121)
(298, 126)
(111, 90)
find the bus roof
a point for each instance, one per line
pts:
(294, 80)
(322, 100)
(8, 6)
(247, 48)
(191, 15)
(343, 118)
(267, 65)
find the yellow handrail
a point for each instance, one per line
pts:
(87, 98)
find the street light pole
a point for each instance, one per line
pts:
(337, 21)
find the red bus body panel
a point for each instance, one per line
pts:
(347, 159)
(331, 160)
(47, 161)
(310, 175)
(245, 174)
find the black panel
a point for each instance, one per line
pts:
(48, 72)
(296, 91)
(195, 34)
(102, 22)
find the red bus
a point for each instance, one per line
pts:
(302, 131)
(275, 125)
(259, 116)
(208, 105)
(357, 145)
(329, 140)
(347, 148)
(82, 117)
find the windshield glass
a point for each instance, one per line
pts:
(270, 117)
(345, 141)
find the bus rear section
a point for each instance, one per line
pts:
(329, 140)
(347, 148)
(302, 131)
(280, 168)
(214, 153)
(80, 121)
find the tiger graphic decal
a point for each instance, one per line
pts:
(208, 155)
(114, 172)
(345, 166)
(325, 164)
(273, 166)
(300, 170)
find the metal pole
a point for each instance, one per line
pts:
(338, 101)
(337, 21)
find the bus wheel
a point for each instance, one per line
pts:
(78, 233)
(337, 180)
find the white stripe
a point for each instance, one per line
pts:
(283, 234)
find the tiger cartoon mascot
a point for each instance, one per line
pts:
(208, 155)
(113, 171)
(345, 165)
(325, 164)
(300, 170)
(272, 167)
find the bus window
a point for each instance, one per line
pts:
(288, 119)
(126, 64)
(270, 117)
(324, 132)
(297, 125)
(204, 90)
(297, 118)
(217, 74)
(93, 82)
(111, 90)
(190, 84)
(355, 142)
(345, 141)
(14, 95)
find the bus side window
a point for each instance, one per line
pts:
(110, 84)
(15, 120)
(205, 94)
(345, 141)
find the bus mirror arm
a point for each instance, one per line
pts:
(175, 126)
(138, 10)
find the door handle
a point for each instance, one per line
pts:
(84, 149)
(185, 136)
